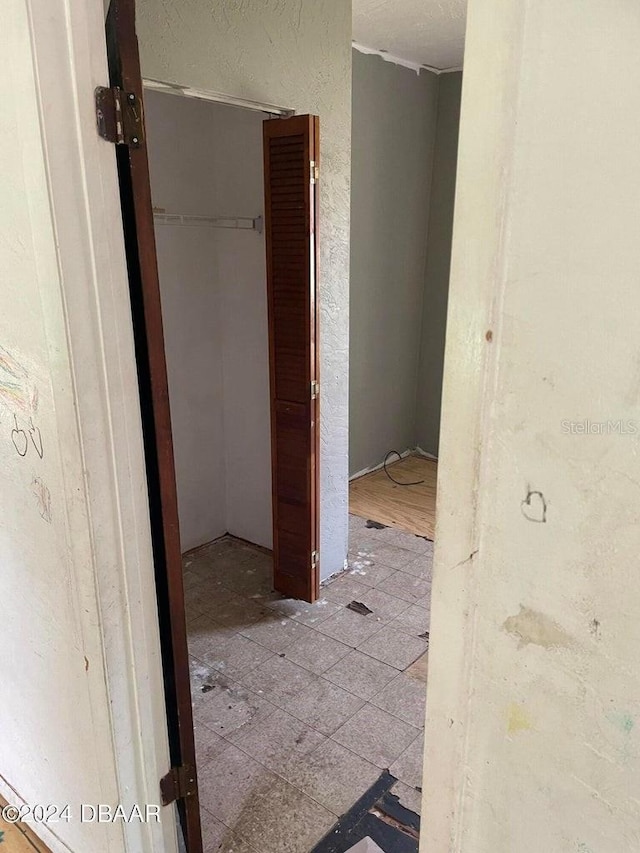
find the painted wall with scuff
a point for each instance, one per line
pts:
(297, 55)
(533, 711)
(394, 131)
(214, 303)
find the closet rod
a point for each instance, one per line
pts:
(241, 223)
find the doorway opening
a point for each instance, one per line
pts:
(405, 131)
(286, 713)
(298, 708)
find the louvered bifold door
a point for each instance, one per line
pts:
(291, 205)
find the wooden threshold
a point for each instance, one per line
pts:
(411, 508)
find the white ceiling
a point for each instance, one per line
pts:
(419, 32)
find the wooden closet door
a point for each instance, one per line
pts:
(291, 154)
(180, 782)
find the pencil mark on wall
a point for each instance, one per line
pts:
(43, 498)
(19, 438)
(36, 438)
(16, 389)
(534, 507)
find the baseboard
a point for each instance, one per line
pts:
(374, 468)
(193, 552)
(426, 454)
(262, 548)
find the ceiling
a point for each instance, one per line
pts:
(418, 32)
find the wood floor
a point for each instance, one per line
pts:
(412, 508)
(18, 838)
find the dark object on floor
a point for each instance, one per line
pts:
(426, 538)
(207, 687)
(378, 815)
(359, 607)
(425, 636)
(375, 525)
(393, 479)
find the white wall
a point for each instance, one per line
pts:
(295, 54)
(213, 287)
(533, 712)
(81, 716)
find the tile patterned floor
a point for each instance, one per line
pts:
(299, 707)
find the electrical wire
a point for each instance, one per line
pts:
(393, 480)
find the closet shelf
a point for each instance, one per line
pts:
(241, 223)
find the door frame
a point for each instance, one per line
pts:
(155, 85)
(123, 650)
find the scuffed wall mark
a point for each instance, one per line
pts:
(534, 507)
(599, 753)
(530, 626)
(489, 336)
(43, 498)
(622, 720)
(583, 848)
(595, 793)
(595, 629)
(86, 664)
(517, 719)
(466, 560)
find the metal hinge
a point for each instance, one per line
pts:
(315, 559)
(178, 784)
(119, 116)
(315, 172)
(315, 388)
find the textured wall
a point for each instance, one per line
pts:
(533, 712)
(394, 129)
(434, 309)
(213, 285)
(297, 54)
